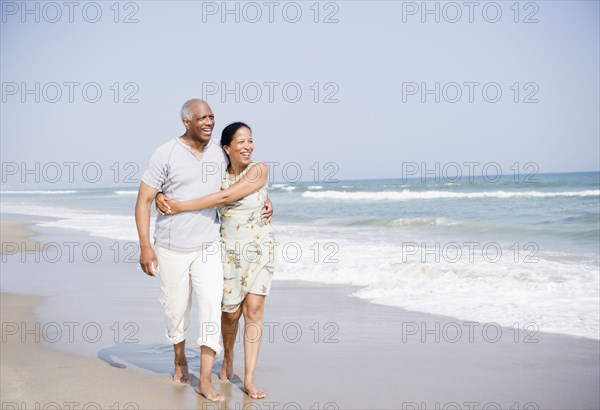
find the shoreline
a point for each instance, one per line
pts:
(16, 234)
(320, 346)
(22, 228)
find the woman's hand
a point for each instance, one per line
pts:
(267, 212)
(167, 206)
(161, 204)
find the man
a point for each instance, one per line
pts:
(187, 244)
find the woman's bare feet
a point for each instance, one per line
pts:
(207, 389)
(251, 390)
(180, 374)
(227, 368)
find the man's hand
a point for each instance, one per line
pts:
(267, 213)
(148, 261)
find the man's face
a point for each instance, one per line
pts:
(201, 125)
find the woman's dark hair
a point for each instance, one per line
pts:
(230, 130)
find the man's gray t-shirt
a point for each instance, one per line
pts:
(175, 171)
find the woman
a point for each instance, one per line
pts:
(248, 244)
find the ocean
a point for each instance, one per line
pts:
(518, 252)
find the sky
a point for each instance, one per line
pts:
(341, 89)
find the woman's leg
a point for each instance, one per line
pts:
(253, 308)
(229, 328)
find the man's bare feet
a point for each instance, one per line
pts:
(251, 390)
(207, 389)
(180, 374)
(227, 368)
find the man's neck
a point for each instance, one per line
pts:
(193, 143)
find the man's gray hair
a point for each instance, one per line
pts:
(186, 109)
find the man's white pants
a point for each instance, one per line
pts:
(180, 272)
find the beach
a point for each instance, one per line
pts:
(321, 347)
(434, 174)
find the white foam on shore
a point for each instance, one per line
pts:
(283, 187)
(555, 293)
(39, 192)
(119, 227)
(406, 195)
(423, 221)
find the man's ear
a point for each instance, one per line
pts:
(186, 124)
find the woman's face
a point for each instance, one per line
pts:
(241, 147)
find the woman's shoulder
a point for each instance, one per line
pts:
(257, 169)
(255, 173)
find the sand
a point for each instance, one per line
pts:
(321, 349)
(14, 235)
(33, 376)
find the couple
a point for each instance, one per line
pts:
(228, 265)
